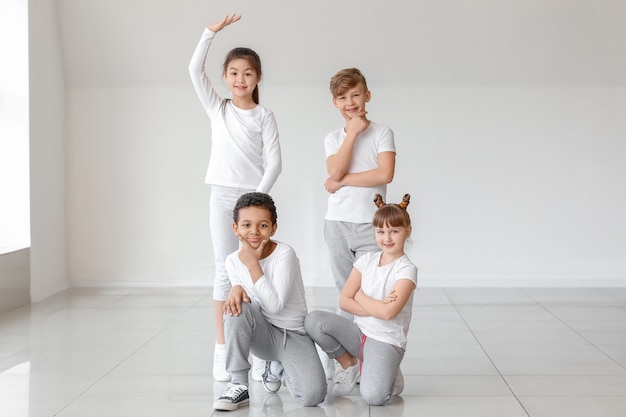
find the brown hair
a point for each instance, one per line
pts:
(394, 215)
(346, 79)
(253, 59)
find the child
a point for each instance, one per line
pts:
(245, 155)
(265, 310)
(360, 160)
(379, 293)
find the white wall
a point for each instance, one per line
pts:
(508, 119)
(48, 254)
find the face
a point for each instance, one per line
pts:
(352, 101)
(240, 77)
(254, 225)
(391, 239)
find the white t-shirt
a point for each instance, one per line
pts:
(356, 204)
(279, 292)
(245, 151)
(377, 282)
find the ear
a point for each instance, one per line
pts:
(368, 96)
(235, 229)
(274, 227)
(335, 102)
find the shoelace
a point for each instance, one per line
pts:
(234, 390)
(341, 375)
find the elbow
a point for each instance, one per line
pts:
(387, 177)
(274, 309)
(388, 314)
(343, 303)
(336, 175)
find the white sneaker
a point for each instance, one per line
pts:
(398, 383)
(272, 376)
(219, 363)
(257, 368)
(345, 379)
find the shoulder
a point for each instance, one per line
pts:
(335, 135)
(367, 259)
(282, 249)
(405, 268)
(262, 111)
(380, 129)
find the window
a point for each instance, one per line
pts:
(14, 130)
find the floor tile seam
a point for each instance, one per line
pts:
(566, 324)
(486, 353)
(113, 368)
(606, 293)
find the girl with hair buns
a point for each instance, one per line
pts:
(379, 293)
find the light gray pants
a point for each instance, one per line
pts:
(250, 332)
(379, 361)
(223, 238)
(346, 243)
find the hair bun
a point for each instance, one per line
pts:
(378, 200)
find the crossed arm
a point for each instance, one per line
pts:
(353, 300)
(383, 174)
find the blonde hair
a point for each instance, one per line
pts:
(346, 79)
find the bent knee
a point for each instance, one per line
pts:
(376, 398)
(313, 399)
(313, 320)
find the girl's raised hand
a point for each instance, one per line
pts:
(217, 26)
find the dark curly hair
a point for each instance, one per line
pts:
(255, 200)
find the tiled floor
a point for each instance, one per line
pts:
(471, 352)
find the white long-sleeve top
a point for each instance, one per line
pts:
(279, 292)
(245, 150)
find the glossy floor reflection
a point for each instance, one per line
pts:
(471, 352)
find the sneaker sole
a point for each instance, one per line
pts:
(269, 386)
(225, 406)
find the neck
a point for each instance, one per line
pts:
(386, 258)
(244, 103)
(268, 249)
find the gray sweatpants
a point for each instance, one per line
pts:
(346, 243)
(250, 332)
(379, 361)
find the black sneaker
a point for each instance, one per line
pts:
(234, 397)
